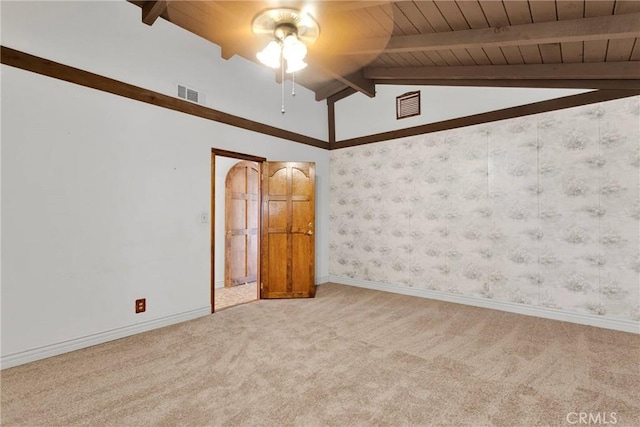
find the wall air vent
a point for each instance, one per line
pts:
(408, 105)
(192, 95)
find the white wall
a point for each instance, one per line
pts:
(359, 115)
(102, 196)
(109, 38)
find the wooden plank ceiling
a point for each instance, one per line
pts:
(535, 43)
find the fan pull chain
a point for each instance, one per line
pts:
(282, 84)
(293, 84)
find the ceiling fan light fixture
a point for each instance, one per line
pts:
(270, 55)
(290, 31)
(295, 65)
(293, 49)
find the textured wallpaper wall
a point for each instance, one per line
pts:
(541, 210)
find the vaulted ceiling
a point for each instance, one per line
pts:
(536, 43)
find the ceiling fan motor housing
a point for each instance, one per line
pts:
(283, 22)
(285, 29)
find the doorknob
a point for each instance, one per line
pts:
(310, 233)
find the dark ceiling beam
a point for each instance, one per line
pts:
(341, 95)
(358, 82)
(589, 71)
(348, 6)
(355, 81)
(227, 51)
(348, 71)
(329, 89)
(151, 10)
(574, 30)
(550, 84)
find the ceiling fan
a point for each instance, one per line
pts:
(290, 32)
(325, 30)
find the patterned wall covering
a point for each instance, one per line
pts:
(541, 210)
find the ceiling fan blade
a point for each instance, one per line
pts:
(342, 26)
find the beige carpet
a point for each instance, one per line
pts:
(348, 357)
(229, 297)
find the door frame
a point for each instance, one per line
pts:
(241, 156)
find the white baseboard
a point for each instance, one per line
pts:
(43, 352)
(322, 280)
(528, 310)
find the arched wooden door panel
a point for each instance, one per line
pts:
(241, 224)
(288, 240)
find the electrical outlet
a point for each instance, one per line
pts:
(141, 305)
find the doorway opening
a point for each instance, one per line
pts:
(242, 192)
(285, 253)
(235, 231)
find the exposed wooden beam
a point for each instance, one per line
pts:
(356, 5)
(359, 82)
(331, 118)
(355, 81)
(573, 30)
(341, 95)
(590, 71)
(45, 67)
(491, 116)
(330, 89)
(342, 70)
(551, 84)
(152, 10)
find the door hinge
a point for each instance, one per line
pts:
(261, 286)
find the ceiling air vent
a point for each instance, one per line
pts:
(408, 105)
(192, 95)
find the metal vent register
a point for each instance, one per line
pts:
(189, 94)
(408, 105)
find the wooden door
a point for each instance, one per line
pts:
(241, 224)
(288, 241)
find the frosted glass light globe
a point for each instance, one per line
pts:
(293, 49)
(270, 55)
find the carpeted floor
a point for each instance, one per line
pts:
(348, 357)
